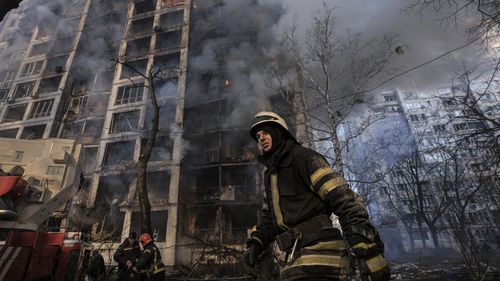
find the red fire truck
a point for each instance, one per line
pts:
(28, 253)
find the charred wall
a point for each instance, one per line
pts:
(220, 192)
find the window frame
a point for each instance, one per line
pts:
(124, 94)
(28, 93)
(29, 68)
(41, 109)
(25, 105)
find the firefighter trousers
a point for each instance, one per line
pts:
(327, 260)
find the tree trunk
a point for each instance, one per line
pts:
(142, 190)
(338, 152)
(412, 240)
(421, 231)
(144, 205)
(435, 239)
(302, 132)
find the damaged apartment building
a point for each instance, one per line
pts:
(78, 70)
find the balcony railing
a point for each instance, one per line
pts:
(225, 236)
(226, 193)
(225, 154)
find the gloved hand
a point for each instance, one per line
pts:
(250, 256)
(371, 255)
(376, 268)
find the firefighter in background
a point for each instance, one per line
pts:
(301, 191)
(96, 270)
(126, 255)
(149, 266)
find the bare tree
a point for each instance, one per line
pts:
(487, 12)
(333, 72)
(462, 187)
(412, 185)
(397, 204)
(155, 73)
(478, 104)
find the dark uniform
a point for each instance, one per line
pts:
(96, 269)
(301, 191)
(126, 252)
(149, 264)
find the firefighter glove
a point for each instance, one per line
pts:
(376, 267)
(251, 254)
(362, 247)
(372, 261)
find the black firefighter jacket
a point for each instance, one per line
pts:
(150, 260)
(300, 186)
(126, 252)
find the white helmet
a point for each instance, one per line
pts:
(268, 117)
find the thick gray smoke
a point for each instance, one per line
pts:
(233, 41)
(423, 36)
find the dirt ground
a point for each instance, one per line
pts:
(436, 268)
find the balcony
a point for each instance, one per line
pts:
(228, 193)
(225, 154)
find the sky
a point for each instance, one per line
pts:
(423, 37)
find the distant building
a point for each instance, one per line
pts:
(431, 121)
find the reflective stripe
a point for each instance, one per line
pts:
(377, 263)
(328, 245)
(323, 260)
(10, 262)
(258, 240)
(265, 206)
(363, 245)
(319, 174)
(5, 254)
(276, 201)
(156, 262)
(158, 270)
(331, 185)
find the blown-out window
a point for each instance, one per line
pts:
(15, 113)
(116, 152)
(125, 121)
(24, 89)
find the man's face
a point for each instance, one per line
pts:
(264, 140)
(131, 240)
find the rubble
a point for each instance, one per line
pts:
(432, 268)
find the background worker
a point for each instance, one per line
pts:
(149, 266)
(96, 270)
(126, 255)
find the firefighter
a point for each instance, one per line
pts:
(301, 192)
(126, 255)
(96, 269)
(149, 266)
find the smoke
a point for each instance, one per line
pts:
(239, 37)
(422, 36)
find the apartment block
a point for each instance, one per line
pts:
(435, 121)
(84, 70)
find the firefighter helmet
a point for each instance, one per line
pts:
(264, 117)
(145, 238)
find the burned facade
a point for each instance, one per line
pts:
(79, 71)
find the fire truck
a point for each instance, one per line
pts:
(29, 253)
